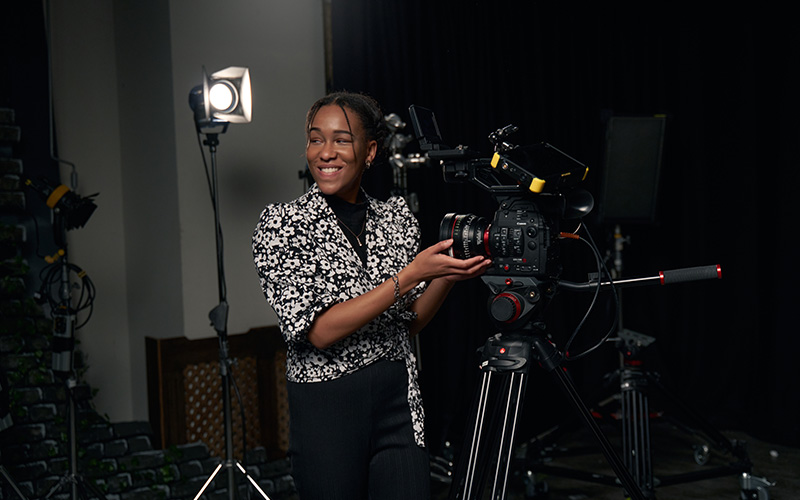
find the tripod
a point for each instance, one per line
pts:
(510, 357)
(515, 303)
(219, 319)
(63, 347)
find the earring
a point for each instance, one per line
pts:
(369, 164)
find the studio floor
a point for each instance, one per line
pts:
(673, 452)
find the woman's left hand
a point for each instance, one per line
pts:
(433, 263)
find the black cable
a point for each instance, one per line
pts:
(602, 269)
(50, 277)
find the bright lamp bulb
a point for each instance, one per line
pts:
(222, 96)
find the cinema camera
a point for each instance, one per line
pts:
(522, 237)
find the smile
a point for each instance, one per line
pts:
(329, 170)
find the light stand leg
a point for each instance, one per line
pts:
(10, 480)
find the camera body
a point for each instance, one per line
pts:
(520, 239)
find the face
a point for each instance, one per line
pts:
(337, 152)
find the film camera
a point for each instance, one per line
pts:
(522, 237)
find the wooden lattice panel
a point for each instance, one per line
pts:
(205, 419)
(184, 390)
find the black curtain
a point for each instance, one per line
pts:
(727, 85)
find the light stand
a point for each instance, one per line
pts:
(64, 318)
(208, 116)
(70, 211)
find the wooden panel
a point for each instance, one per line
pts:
(185, 391)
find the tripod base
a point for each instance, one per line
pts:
(231, 467)
(511, 357)
(635, 385)
(80, 487)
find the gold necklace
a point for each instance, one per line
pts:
(364, 225)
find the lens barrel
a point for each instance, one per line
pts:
(470, 235)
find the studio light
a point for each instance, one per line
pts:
(74, 210)
(222, 98)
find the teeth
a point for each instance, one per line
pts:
(329, 170)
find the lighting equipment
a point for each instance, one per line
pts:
(74, 209)
(70, 211)
(223, 98)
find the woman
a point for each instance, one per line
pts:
(343, 273)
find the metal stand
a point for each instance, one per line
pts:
(219, 319)
(511, 357)
(63, 350)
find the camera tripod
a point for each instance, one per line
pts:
(510, 355)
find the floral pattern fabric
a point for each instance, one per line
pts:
(306, 264)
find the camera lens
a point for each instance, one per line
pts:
(469, 233)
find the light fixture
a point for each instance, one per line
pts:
(74, 210)
(222, 98)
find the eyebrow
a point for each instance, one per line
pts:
(317, 129)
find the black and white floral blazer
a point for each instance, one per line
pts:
(306, 264)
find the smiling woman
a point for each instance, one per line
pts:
(344, 274)
(338, 151)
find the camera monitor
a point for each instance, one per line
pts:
(425, 127)
(632, 163)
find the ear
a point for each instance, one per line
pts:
(372, 151)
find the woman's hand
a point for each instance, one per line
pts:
(432, 263)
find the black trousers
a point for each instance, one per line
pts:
(351, 438)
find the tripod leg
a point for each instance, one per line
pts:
(512, 409)
(464, 480)
(208, 481)
(548, 357)
(10, 480)
(636, 429)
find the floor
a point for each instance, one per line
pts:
(775, 471)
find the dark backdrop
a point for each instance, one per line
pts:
(728, 86)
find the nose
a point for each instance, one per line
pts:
(328, 151)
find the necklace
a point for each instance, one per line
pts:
(358, 240)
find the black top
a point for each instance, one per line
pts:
(352, 218)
